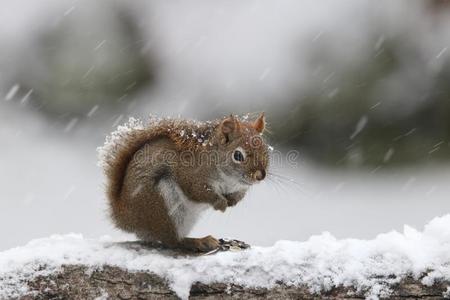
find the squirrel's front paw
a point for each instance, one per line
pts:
(234, 198)
(221, 204)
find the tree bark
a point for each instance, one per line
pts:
(108, 282)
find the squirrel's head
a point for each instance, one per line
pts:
(245, 153)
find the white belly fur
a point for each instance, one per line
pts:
(183, 211)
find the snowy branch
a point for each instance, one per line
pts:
(77, 282)
(414, 264)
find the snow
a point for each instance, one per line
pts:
(321, 262)
(360, 126)
(12, 92)
(107, 151)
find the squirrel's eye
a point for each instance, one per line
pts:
(238, 155)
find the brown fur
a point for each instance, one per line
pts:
(137, 163)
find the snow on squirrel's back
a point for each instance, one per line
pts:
(121, 136)
(107, 152)
(321, 263)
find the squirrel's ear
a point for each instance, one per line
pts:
(228, 127)
(260, 123)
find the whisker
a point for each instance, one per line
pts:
(275, 185)
(287, 181)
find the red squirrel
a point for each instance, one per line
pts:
(161, 176)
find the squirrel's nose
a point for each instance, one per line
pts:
(259, 174)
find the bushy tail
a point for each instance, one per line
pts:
(117, 152)
(121, 145)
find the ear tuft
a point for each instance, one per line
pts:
(260, 123)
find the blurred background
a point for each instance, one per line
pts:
(360, 88)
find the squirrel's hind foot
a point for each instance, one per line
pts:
(205, 244)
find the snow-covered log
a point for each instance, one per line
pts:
(413, 264)
(77, 282)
